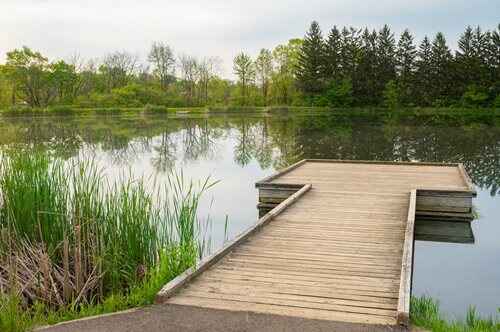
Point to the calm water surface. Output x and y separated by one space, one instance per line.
240 150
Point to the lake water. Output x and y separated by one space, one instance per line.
240 150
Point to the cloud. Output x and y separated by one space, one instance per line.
215 28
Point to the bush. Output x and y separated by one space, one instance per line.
474 97
60 109
391 95
155 109
339 94
496 102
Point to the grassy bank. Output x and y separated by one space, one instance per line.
74 245
158 109
425 314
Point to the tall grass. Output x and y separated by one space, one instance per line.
425 313
74 244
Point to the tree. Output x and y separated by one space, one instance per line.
391 95
333 55
206 71
28 72
243 67
6 91
161 56
264 70
405 66
351 52
339 93
286 61
424 72
493 62
440 62
64 78
386 51
311 64
117 69
471 61
366 76
188 66
474 96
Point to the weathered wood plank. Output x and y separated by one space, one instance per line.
177 283
403 313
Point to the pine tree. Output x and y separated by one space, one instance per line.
350 52
493 62
386 49
311 66
366 80
333 55
468 66
441 67
424 73
405 66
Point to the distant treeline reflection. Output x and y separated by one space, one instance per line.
274 141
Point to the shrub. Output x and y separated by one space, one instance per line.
474 96
339 94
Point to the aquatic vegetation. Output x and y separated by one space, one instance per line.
73 244
425 313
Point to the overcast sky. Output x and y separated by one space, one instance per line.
92 28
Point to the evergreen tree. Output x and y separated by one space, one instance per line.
333 55
470 66
366 80
405 66
351 52
424 73
493 62
311 66
386 49
441 66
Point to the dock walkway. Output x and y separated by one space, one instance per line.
336 244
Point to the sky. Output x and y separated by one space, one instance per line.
60 29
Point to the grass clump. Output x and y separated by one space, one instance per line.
425 314
73 245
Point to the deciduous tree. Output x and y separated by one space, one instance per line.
161 56
244 68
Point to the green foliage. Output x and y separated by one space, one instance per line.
425 313
300 72
244 68
12 317
311 62
124 241
496 103
340 94
391 95
474 97
29 72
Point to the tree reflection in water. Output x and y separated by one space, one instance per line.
271 141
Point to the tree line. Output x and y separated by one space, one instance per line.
369 67
347 67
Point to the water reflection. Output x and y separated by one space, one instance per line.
272 142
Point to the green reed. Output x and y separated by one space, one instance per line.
425 313
71 239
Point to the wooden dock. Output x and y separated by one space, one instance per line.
335 243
